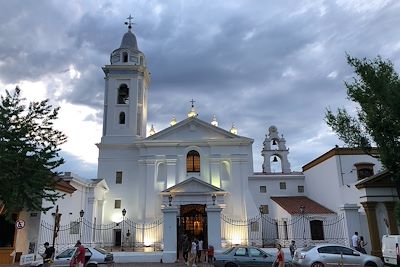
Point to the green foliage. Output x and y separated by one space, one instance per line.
376 88
28 153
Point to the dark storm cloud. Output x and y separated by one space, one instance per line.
252 63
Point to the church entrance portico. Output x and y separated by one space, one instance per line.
191 209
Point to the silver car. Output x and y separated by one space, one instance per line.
324 255
245 256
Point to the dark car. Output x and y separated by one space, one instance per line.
245 256
324 255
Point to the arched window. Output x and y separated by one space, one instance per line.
122 118
125 57
317 230
123 94
193 161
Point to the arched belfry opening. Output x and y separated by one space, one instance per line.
123 94
193 161
125 57
275 152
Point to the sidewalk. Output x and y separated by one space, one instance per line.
138 264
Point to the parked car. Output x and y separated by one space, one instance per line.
391 249
93 257
324 255
245 256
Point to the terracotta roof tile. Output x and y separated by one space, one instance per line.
292 205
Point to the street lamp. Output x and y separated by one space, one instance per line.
81 213
261 209
123 224
302 211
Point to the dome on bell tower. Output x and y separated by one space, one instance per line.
128 52
129 41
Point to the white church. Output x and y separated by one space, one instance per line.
196 179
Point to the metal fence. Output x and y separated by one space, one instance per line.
265 231
127 235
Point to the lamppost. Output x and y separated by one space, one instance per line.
262 224
302 211
123 224
81 213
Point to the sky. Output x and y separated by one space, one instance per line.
252 63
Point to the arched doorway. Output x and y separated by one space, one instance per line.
191 223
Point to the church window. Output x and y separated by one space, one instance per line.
118 177
122 118
117 204
364 169
300 188
193 161
123 94
282 185
264 209
317 230
277 229
263 189
125 57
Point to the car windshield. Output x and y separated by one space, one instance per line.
66 253
227 251
102 251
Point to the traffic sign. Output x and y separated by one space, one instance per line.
19 224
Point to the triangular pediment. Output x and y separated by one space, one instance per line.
194 129
192 185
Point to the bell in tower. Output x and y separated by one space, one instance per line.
274 151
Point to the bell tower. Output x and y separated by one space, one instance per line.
275 151
127 82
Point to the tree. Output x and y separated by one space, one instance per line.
28 153
376 89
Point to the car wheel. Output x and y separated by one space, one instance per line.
230 264
370 264
91 265
317 264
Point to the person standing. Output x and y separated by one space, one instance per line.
292 248
80 254
193 253
199 250
280 257
47 255
354 240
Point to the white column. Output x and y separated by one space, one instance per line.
171 172
170 242
214 226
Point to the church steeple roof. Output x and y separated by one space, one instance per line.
129 41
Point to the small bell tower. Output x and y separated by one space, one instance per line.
275 151
127 82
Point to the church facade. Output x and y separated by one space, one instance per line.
196 179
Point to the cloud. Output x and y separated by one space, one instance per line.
254 64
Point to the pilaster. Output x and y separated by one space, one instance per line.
214 226
170 234
370 210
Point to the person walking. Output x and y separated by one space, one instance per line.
48 254
199 250
80 254
193 254
280 257
186 249
361 245
292 248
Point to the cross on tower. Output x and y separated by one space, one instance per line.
192 101
130 21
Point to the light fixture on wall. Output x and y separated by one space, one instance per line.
169 200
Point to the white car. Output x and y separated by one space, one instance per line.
93 257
